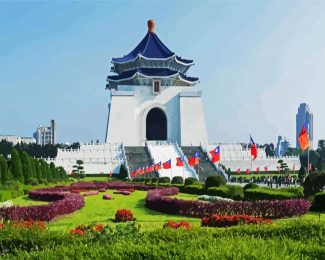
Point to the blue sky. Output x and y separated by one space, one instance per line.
256 62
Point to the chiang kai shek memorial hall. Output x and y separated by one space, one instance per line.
155 114
152 98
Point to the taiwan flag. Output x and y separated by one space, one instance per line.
194 160
150 168
248 171
141 170
258 169
134 174
303 137
215 153
180 161
167 164
157 166
238 170
266 168
254 151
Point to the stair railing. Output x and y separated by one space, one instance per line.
125 160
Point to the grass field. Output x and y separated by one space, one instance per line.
103 211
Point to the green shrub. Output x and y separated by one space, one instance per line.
250 186
214 181
314 183
222 191
31 181
6 195
196 189
177 180
236 192
319 202
44 181
13 185
268 194
190 181
164 180
298 191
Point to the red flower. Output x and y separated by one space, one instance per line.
175 225
226 221
123 215
76 231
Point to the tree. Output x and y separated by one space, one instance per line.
269 149
302 173
38 172
16 168
79 169
26 167
123 173
53 171
283 166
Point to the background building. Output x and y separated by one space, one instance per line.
281 146
46 134
15 139
303 116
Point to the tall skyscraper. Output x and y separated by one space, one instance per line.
303 116
282 146
45 134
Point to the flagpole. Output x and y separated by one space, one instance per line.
308 159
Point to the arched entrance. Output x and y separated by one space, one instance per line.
156 125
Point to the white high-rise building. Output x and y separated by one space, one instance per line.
303 116
46 134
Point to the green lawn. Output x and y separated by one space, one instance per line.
103 211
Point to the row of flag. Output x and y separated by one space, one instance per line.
266 169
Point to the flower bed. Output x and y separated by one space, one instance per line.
124 215
61 203
158 200
215 220
176 225
107 197
24 224
123 192
213 198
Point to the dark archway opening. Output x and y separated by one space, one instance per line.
156 125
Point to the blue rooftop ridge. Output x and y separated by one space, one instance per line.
150 47
151 72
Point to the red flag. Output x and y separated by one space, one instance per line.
141 170
266 168
238 170
215 153
258 169
150 169
157 166
254 151
134 174
180 161
303 137
248 171
194 160
167 164
309 168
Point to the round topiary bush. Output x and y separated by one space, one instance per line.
190 181
177 180
319 202
164 180
31 181
250 186
214 181
124 215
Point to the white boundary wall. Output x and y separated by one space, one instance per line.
97 158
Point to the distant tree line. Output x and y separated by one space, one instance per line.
35 150
23 168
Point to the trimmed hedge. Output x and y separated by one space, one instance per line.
10 194
214 181
268 194
164 180
190 181
177 180
319 202
250 186
222 191
196 189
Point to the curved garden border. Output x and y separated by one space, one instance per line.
159 201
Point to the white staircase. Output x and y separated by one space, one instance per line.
162 152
